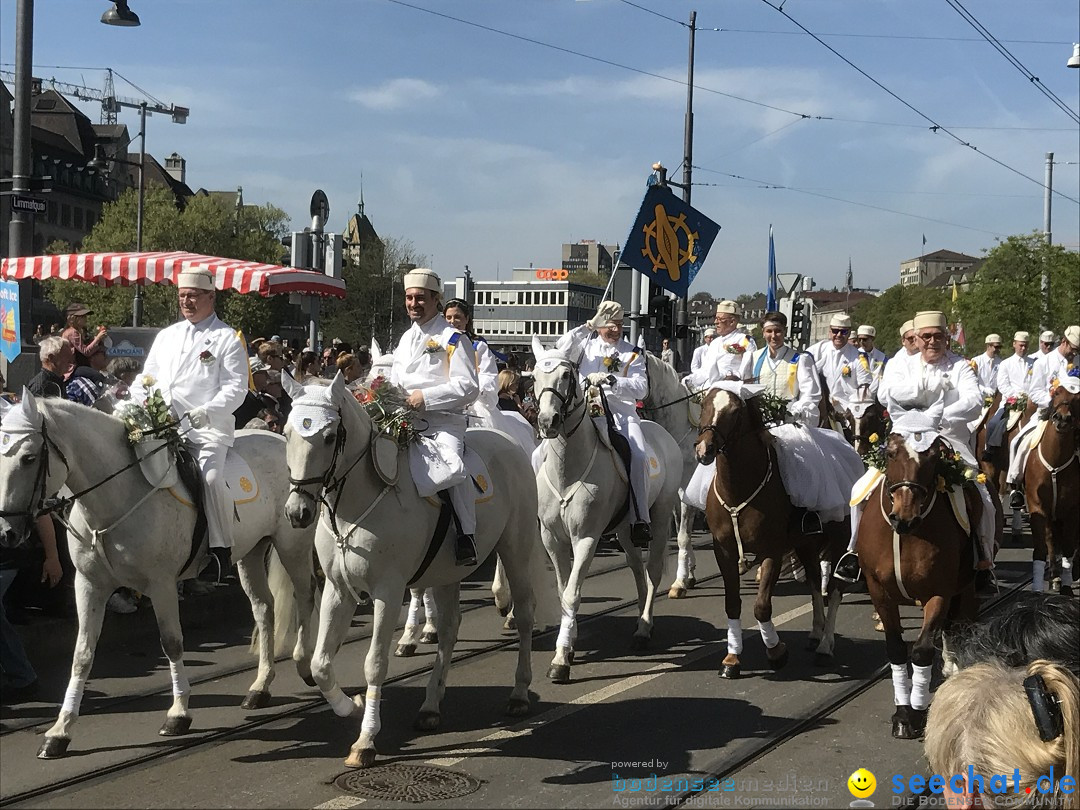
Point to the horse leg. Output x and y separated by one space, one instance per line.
684 575
167 612
922 660
898 660
806 557
296 557
254 581
449 618
430 633
570 599
523 582
335 616
729 569
90 600
654 572
775 650
836 535
500 589
1040 537
640 639
362 752
406 646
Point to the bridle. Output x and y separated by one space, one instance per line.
714 430
41 477
568 402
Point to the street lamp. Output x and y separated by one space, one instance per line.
120 15
1074 60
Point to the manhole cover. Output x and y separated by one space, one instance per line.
408 783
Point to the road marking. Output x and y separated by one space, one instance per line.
599 695
340 803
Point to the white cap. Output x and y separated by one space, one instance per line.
710 332
994 338
906 327
195 280
866 331
727 307
422 278
1047 337
1022 337
1072 334
930 318
609 313
841 320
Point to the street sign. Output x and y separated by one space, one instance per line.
788 281
31 204
10 332
320 206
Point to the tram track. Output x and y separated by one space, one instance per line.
725 768
197 740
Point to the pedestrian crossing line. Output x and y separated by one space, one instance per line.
600 695
340 803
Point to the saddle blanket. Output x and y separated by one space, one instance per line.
868 484
651 458
477 471
693 407
239 479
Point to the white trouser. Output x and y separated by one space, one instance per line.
1018 452
630 427
448 431
218 501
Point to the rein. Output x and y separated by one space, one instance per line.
891 488
735 510
570 396
691 395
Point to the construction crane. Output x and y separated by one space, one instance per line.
111 103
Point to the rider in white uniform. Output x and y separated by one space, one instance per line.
871 358
1013 379
609 360
436 365
986 365
1047 373
783 371
908 347
724 357
699 353
838 363
1047 343
939 389
200 366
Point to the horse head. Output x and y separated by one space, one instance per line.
1065 406
315 433
28 475
911 478
559 395
725 418
866 419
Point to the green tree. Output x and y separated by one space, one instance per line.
888 311
204 225
1005 296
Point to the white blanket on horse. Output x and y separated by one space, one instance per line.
817 467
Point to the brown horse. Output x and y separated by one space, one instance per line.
997 465
872 420
1052 484
913 550
748 510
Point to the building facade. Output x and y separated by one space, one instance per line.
589 256
925 269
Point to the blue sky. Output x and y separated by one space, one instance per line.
492 151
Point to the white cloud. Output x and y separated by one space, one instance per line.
395 94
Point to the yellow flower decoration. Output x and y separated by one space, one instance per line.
845 371
981 478
940 484
874 438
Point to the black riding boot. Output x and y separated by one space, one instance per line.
219 562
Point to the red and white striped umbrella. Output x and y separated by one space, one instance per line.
107 269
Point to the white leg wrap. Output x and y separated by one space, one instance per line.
339 702
1038 574
734 636
414 612
920 686
430 612
73 696
768 635
371 725
901 685
683 571
1066 572
986 524
826 574
567 629
856 516
180 684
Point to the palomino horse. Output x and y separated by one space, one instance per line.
762 521
584 494
1052 484
122 531
376 534
913 550
669 404
997 465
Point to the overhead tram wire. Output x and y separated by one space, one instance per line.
936 127
655 13
767 185
885 36
1027 74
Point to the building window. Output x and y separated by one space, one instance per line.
78 223
65 216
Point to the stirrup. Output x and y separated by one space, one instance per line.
640 534
816 520
465 550
847 568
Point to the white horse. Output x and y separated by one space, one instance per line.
123 532
582 487
669 404
377 534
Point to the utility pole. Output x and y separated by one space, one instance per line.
1047 198
681 329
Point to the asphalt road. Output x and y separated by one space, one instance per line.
650 717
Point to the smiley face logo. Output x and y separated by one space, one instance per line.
862 784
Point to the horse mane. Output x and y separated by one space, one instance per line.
91 418
756 418
655 367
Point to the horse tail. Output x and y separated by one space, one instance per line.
548 611
286 612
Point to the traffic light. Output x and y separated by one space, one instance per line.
660 314
299 245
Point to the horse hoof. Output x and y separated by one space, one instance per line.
256 700
175 726
731 671
310 681
1055 585
54 747
879 626
504 610
639 643
510 624
918 721
427 721
676 592
812 643
570 657
516 707
1066 590
429 638
690 581
559 673
823 660
405 651
781 658
360 759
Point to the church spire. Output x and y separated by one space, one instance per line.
850 278
361 205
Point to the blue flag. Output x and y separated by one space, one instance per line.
669 240
770 295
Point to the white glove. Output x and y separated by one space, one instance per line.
599 378
198 418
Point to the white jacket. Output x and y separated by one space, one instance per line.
724 356
439 360
789 375
1014 376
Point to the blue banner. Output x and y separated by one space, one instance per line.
669 240
10 328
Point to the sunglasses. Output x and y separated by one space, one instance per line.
840 331
932 337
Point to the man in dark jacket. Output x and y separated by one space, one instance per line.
57 357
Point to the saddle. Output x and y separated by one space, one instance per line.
693 408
